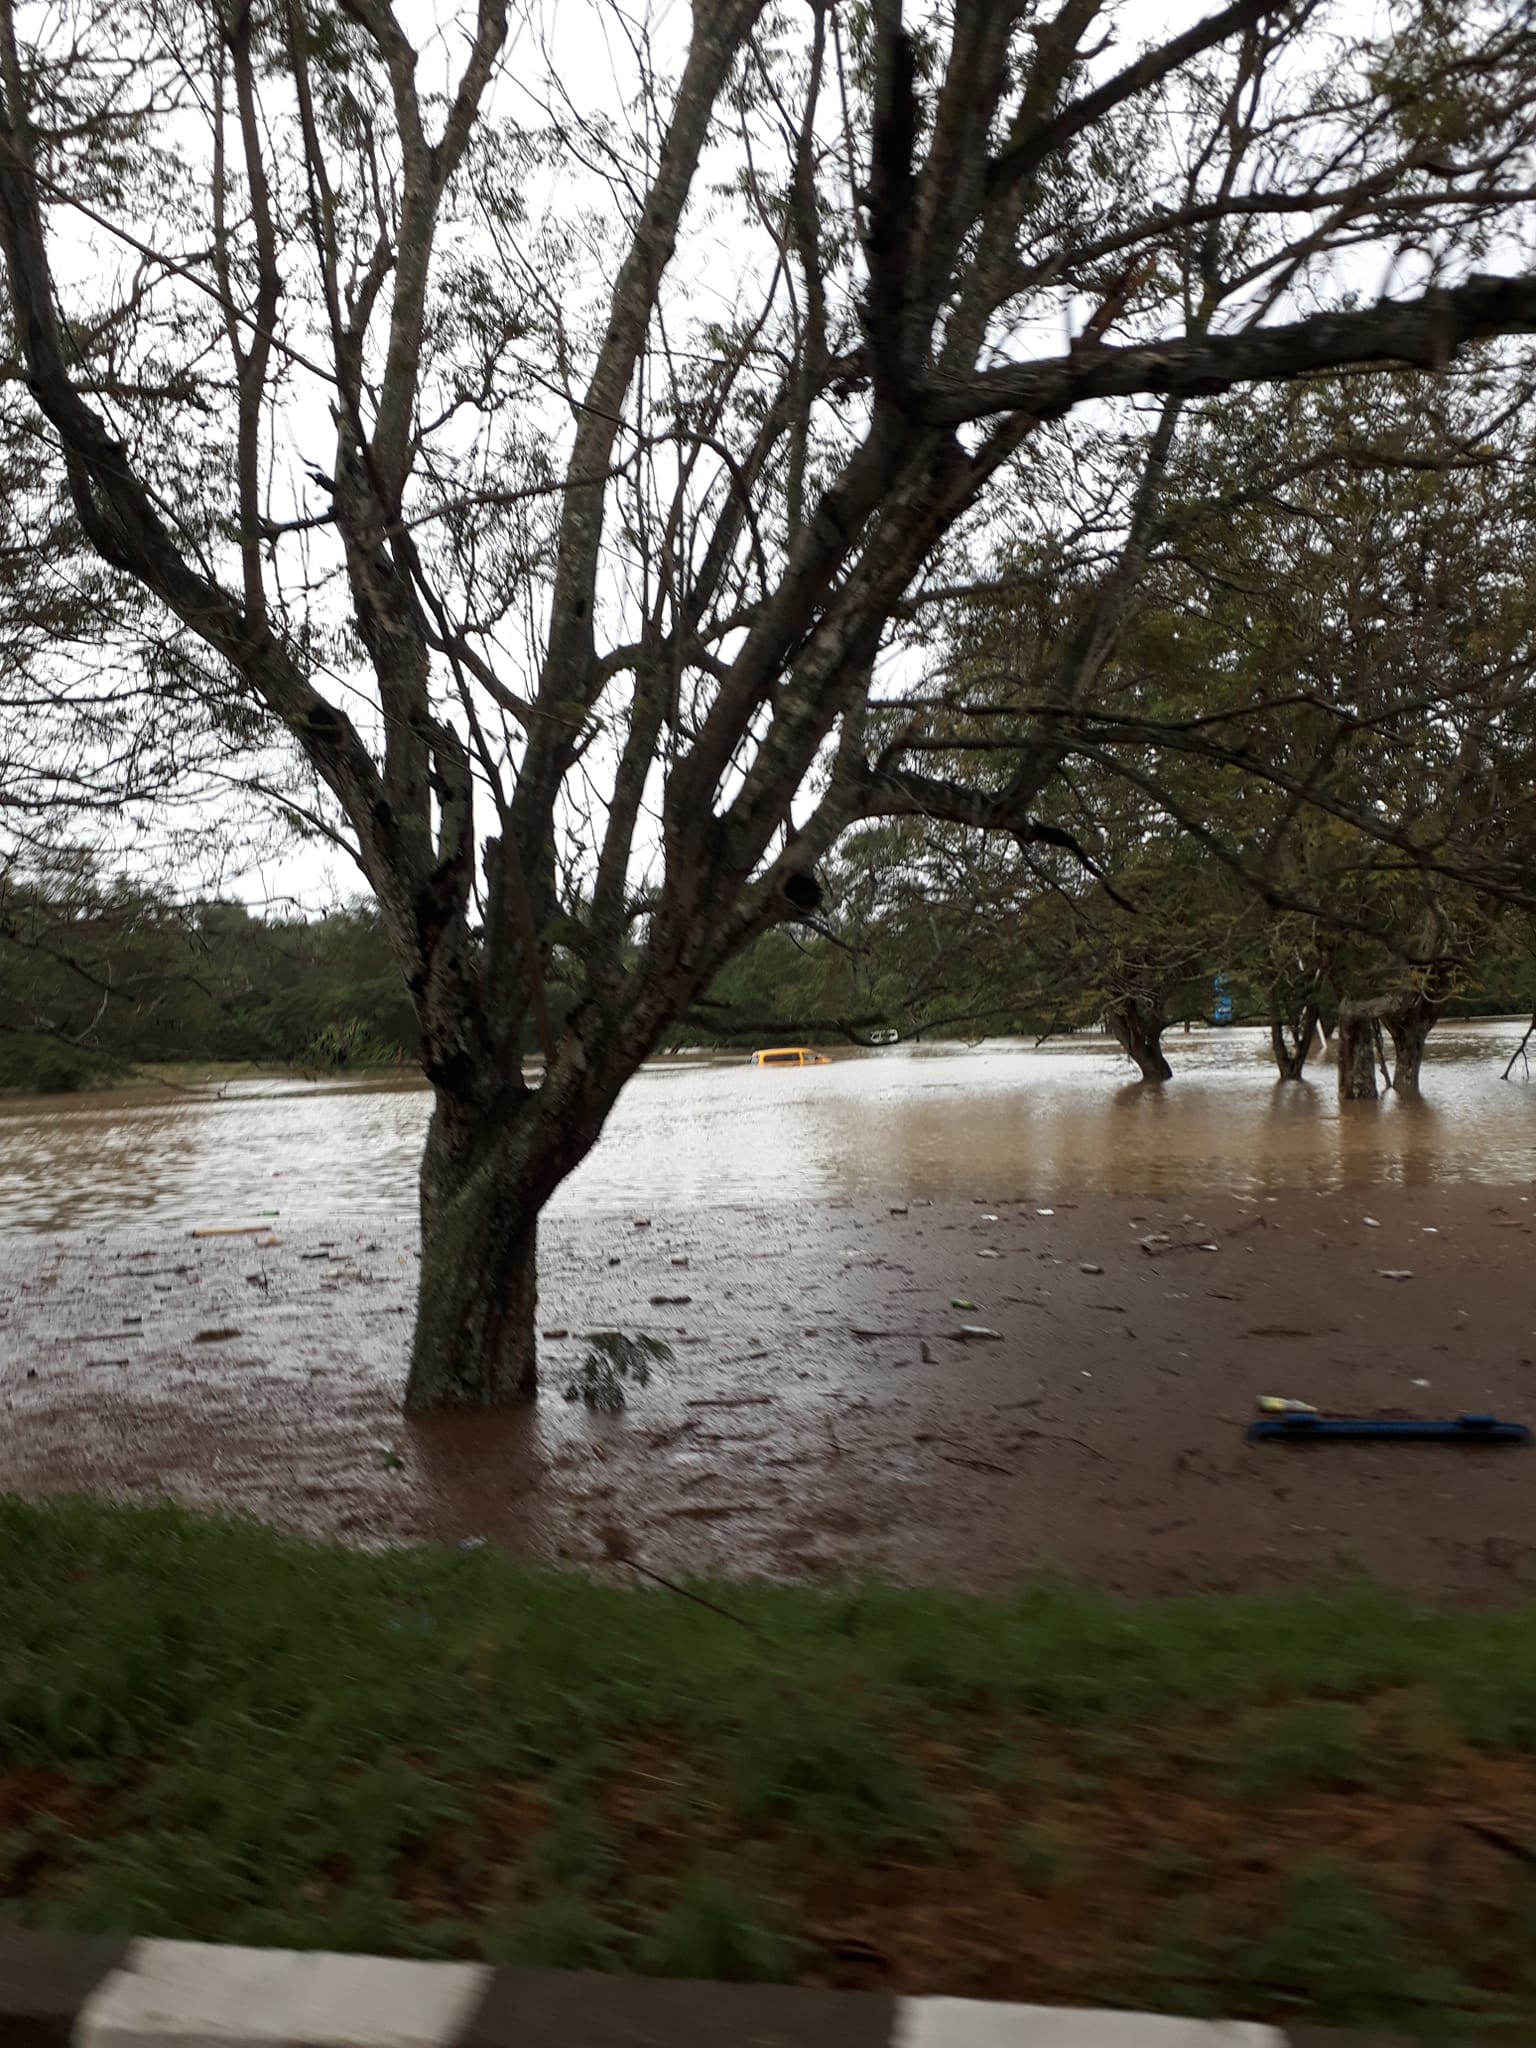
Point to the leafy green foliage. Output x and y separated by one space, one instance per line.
612 1364
125 976
1328 650
48 1066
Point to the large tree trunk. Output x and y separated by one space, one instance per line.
1407 1019
1293 1043
476 1339
1409 1026
1139 1034
1358 1028
493 1158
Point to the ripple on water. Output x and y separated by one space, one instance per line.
990 1120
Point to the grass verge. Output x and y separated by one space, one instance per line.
1318 1807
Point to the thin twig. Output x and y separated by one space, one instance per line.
1497 1839
1520 1053
683 1593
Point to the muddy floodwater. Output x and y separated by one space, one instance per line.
814 1246
699 1132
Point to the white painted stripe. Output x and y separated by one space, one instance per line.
183 1994
965 2023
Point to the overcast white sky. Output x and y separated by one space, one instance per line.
580 48
583 49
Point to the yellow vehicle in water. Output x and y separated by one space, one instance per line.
790 1056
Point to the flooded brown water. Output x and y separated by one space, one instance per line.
807 1238
822 1414
932 1121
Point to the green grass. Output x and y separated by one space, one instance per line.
1040 1858
1248 1806
1313 1745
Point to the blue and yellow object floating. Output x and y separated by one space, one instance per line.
1304 1425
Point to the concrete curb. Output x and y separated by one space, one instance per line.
64 1991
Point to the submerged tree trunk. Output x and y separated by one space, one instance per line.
1409 1026
493 1158
1358 1029
476 1338
1294 1042
1407 1018
1139 1033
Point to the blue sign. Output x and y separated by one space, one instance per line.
1221 1009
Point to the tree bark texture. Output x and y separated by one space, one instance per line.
1407 1018
494 1155
1139 1034
1521 1054
1293 1043
476 1336
1408 1027
1358 1029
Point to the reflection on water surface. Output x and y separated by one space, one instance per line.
1000 1119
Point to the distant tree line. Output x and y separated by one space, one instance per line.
1195 950
1307 763
102 974
931 935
